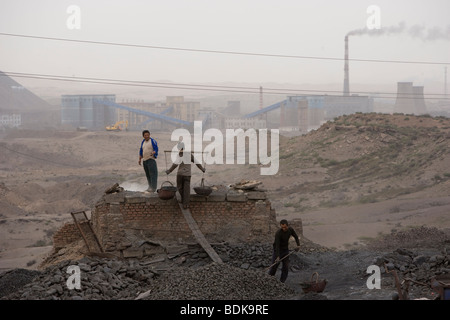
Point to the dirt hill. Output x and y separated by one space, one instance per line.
367 166
365 158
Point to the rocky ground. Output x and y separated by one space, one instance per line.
187 273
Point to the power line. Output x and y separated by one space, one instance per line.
127 83
219 51
203 87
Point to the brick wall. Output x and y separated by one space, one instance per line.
68 233
123 220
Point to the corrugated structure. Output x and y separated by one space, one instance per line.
85 111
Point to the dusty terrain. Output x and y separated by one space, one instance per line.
351 181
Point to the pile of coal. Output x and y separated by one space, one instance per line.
218 282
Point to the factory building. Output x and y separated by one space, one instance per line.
83 111
305 112
139 121
13 120
241 123
183 110
174 106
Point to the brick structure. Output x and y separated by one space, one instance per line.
123 221
67 234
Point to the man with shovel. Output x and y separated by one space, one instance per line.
281 249
184 174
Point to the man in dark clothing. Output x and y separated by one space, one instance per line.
184 174
281 249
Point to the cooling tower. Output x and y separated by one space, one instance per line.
419 101
410 99
405 101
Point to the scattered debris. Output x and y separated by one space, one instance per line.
246 184
114 189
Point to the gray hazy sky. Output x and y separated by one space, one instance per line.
284 27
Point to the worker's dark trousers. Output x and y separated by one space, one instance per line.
151 172
184 188
284 268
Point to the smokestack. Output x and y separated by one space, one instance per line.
260 98
346 76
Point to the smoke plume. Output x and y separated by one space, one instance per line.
415 31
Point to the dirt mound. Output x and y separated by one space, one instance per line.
364 158
420 237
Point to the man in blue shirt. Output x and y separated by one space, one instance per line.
148 154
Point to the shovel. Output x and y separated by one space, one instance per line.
276 262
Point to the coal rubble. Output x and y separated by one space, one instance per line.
101 279
415 269
12 280
186 272
218 282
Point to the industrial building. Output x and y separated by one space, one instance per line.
84 111
139 121
97 111
297 113
253 123
305 112
13 120
174 106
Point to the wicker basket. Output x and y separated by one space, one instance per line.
314 285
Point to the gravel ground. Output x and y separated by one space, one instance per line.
190 274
